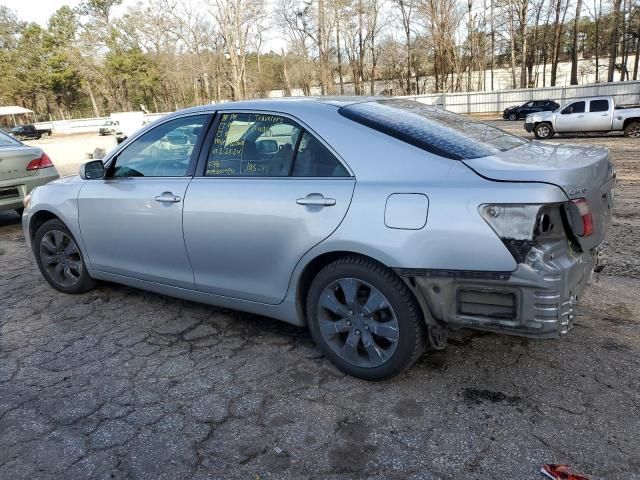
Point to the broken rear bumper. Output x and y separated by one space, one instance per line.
538 299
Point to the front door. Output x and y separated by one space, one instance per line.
269 191
571 118
131 221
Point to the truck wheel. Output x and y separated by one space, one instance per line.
60 260
513 116
632 130
364 319
44 135
543 131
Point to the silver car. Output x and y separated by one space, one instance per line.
22 168
380 223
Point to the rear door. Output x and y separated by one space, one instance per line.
598 118
571 118
266 192
131 221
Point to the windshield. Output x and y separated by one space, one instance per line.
6 140
435 130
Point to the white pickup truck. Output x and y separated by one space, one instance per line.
593 114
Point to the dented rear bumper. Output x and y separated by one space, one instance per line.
538 299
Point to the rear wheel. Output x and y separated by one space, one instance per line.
632 130
364 319
513 116
60 260
543 131
44 135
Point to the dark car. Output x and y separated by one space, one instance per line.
25 132
516 113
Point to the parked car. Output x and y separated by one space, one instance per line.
594 114
22 168
109 128
516 113
30 132
380 224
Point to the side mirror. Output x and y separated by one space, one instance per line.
93 170
267 146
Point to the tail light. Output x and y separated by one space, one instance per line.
581 206
37 163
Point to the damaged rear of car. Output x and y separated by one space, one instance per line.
554 238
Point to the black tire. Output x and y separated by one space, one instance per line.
632 130
543 131
410 326
84 282
513 116
20 211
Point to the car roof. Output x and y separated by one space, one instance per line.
284 103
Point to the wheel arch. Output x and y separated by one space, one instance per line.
627 121
38 219
315 265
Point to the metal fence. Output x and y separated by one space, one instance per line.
493 102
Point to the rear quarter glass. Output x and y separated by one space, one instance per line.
432 129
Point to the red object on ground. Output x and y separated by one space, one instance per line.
560 472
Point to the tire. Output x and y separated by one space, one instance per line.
73 276
44 135
19 211
632 130
513 117
543 131
369 343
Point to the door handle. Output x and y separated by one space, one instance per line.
316 201
580 116
604 114
168 197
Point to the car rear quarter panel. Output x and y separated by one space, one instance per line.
454 236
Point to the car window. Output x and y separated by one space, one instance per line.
432 129
6 140
164 151
576 107
253 144
599 105
528 104
313 159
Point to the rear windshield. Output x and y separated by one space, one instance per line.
6 140
432 129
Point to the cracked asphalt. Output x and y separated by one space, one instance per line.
120 383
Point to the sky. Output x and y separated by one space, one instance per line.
39 11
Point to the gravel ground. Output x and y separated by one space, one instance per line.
119 383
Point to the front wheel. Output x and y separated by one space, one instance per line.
513 116
60 260
632 130
543 131
364 319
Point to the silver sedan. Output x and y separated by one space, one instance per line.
22 168
381 224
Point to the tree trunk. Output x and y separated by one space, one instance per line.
613 40
574 47
557 30
338 46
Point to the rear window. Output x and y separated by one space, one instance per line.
432 129
6 140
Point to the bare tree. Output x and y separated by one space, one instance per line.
574 46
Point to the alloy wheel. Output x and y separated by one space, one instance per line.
61 258
634 131
357 322
543 131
